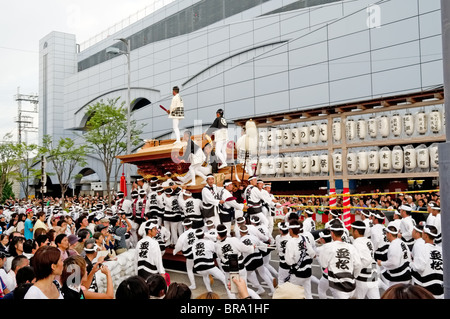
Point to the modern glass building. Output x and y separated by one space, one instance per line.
249 57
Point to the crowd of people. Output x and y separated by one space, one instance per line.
389 245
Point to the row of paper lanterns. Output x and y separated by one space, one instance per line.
395 125
358 161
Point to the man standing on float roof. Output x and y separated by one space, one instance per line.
219 128
176 112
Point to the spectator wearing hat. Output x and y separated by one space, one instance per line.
148 259
406 225
343 263
184 244
427 265
73 242
367 281
396 269
299 257
28 225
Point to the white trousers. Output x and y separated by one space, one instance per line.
190 271
367 289
221 150
305 283
176 130
173 229
217 274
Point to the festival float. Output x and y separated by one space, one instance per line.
156 157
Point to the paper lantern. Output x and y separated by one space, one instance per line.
336 130
435 121
297 164
314 133
362 159
295 136
337 162
421 122
323 132
434 155
385 159
287 163
397 158
350 129
287 136
304 134
383 126
409 158
306 165
396 125
374 160
315 163
361 129
408 124
323 162
423 157
351 162
372 127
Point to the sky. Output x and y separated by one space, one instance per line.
24 22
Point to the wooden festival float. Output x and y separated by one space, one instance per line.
156 157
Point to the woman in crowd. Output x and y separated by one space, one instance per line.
47 264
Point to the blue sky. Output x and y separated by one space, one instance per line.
24 22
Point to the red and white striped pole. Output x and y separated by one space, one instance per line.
346 216
332 201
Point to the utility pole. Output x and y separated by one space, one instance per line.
25 122
43 180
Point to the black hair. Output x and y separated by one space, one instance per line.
133 288
59 238
25 274
156 283
359 223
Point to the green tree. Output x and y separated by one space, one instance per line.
106 134
64 156
26 157
7 192
8 160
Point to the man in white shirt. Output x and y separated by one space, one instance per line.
230 209
255 200
406 225
176 112
148 259
210 200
